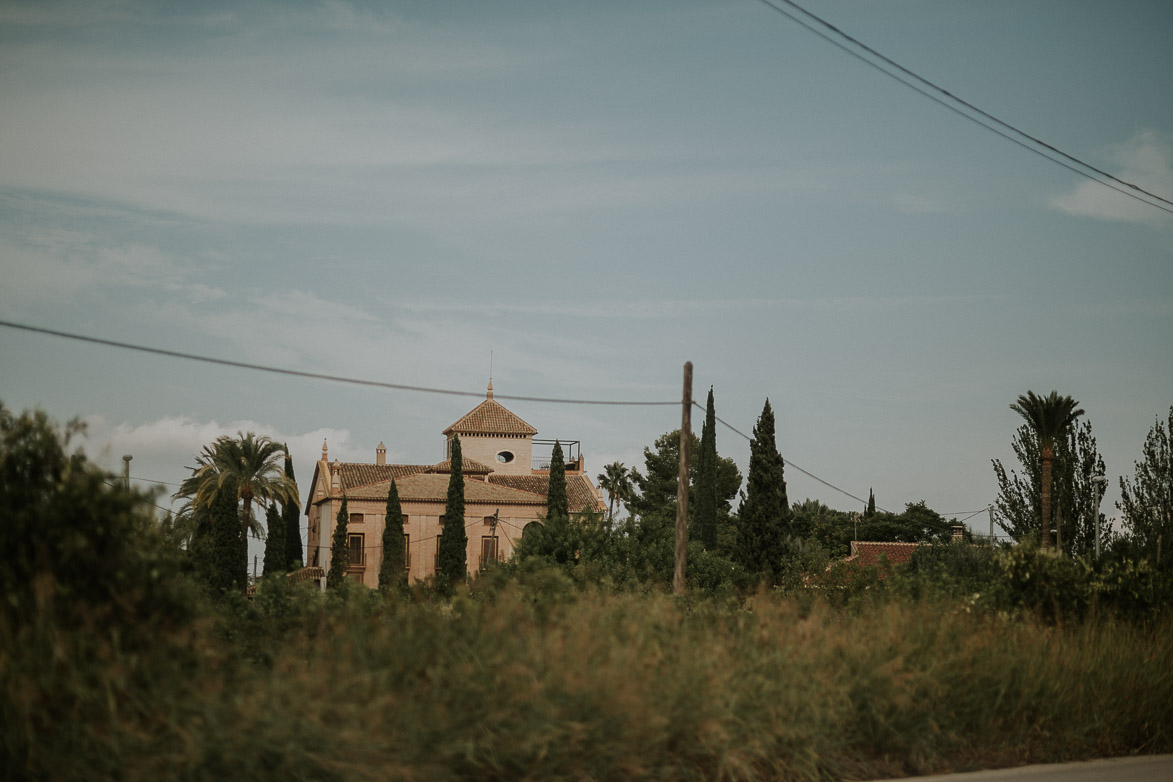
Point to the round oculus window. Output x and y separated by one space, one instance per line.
505 457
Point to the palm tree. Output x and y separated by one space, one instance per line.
615 479
1049 416
248 465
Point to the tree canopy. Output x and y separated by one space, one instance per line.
557 503
764 515
1018 507
1147 500
393 569
453 564
339 548
1049 416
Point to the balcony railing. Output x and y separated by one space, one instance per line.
543 448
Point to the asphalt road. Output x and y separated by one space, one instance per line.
1148 768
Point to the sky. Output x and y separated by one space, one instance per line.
578 198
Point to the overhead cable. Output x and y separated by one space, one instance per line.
322 375
789 463
933 92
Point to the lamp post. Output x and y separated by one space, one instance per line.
1099 481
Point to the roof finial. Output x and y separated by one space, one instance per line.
489 394
325 456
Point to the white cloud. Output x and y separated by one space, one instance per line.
1145 160
163 449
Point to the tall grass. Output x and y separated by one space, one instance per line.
550 683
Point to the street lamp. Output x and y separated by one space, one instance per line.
1099 481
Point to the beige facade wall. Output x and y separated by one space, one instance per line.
485 450
422 525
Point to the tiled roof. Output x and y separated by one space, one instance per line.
355 474
433 487
467 467
370 481
580 495
491 417
866 552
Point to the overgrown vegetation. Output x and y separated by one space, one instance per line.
118 661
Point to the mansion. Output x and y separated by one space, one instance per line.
505 488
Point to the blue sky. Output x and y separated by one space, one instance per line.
594 193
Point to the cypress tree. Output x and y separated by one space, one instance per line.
392 572
292 515
339 549
226 572
557 504
454 543
764 512
871 508
706 479
275 542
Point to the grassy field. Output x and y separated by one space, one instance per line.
544 681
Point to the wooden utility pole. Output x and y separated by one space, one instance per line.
682 483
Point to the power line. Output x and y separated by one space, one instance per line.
934 91
789 463
322 375
970 516
392 386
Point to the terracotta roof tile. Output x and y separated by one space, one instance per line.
867 552
355 474
491 417
580 494
433 487
467 467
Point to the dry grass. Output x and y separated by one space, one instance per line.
548 685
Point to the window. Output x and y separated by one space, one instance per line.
505 457
355 518
407 551
357 552
531 527
436 566
488 549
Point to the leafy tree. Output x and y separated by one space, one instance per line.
275 542
557 503
247 466
557 541
1049 417
763 519
616 481
706 479
1018 508
339 548
834 530
77 545
1147 501
228 569
291 512
454 541
393 570
657 487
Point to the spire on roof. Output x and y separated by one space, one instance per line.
489 394
325 455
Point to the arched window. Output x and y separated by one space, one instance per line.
530 527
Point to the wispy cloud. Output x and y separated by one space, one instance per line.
165 447
1146 160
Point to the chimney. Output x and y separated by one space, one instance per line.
381 454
